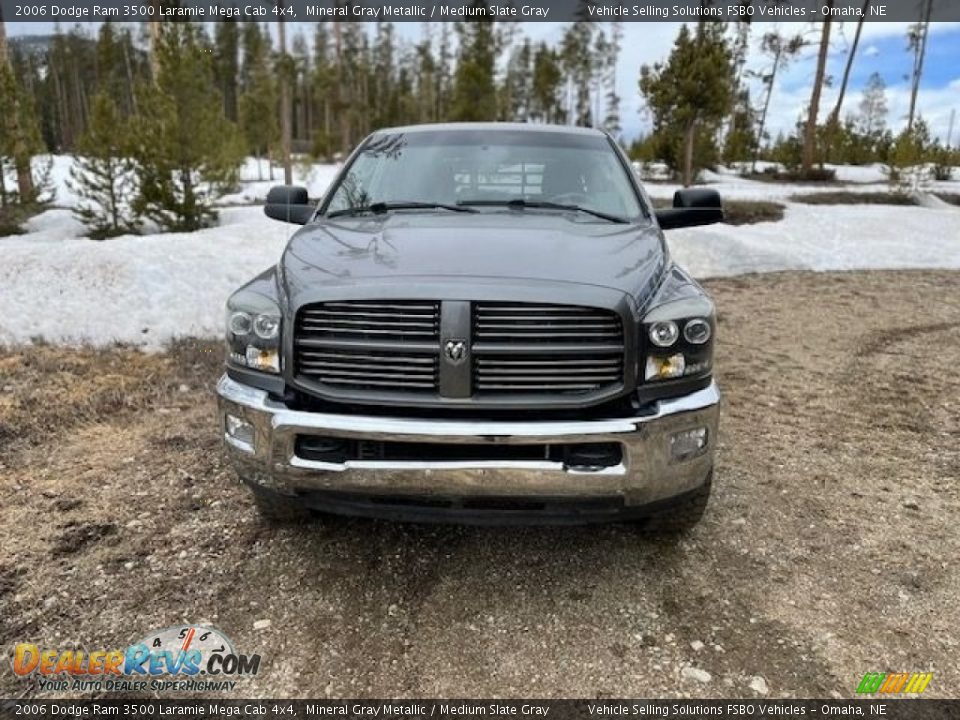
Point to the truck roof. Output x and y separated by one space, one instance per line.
489 126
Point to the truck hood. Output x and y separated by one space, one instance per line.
526 247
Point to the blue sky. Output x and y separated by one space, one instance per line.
887 55
882 49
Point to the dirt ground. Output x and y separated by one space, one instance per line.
830 548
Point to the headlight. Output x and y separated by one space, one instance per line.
239 323
664 333
267 327
253 332
697 331
680 348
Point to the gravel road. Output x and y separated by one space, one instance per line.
830 548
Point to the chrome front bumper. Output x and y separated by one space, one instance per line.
648 473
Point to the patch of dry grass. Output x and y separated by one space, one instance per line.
47 389
840 197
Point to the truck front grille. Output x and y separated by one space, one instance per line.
544 349
383 350
382 345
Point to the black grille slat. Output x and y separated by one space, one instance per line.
387 345
360 305
546 349
548 363
389 320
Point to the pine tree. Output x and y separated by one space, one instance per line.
689 93
910 151
516 88
18 128
741 136
611 120
578 57
226 64
324 143
119 65
102 174
444 90
186 152
474 89
781 51
285 74
257 106
425 74
873 106
546 92
302 88
385 107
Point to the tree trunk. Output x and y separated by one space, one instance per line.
689 137
918 65
810 132
835 115
155 30
833 122
132 97
766 107
285 109
63 134
740 61
341 105
113 171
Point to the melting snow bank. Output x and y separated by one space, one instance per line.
812 237
143 290
146 290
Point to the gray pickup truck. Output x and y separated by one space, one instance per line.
477 323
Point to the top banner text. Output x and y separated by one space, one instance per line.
780 11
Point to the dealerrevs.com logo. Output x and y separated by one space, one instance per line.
185 658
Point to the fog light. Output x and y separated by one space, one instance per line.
664 368
265 360
688 444
239 432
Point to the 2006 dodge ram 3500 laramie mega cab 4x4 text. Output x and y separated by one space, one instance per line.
480 323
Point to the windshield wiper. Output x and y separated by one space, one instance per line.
521 203
382 207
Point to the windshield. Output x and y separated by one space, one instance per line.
486 169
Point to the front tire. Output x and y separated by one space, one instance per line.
277 509
682 516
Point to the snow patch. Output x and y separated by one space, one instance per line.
147 289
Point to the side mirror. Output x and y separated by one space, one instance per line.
691 206
289 203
